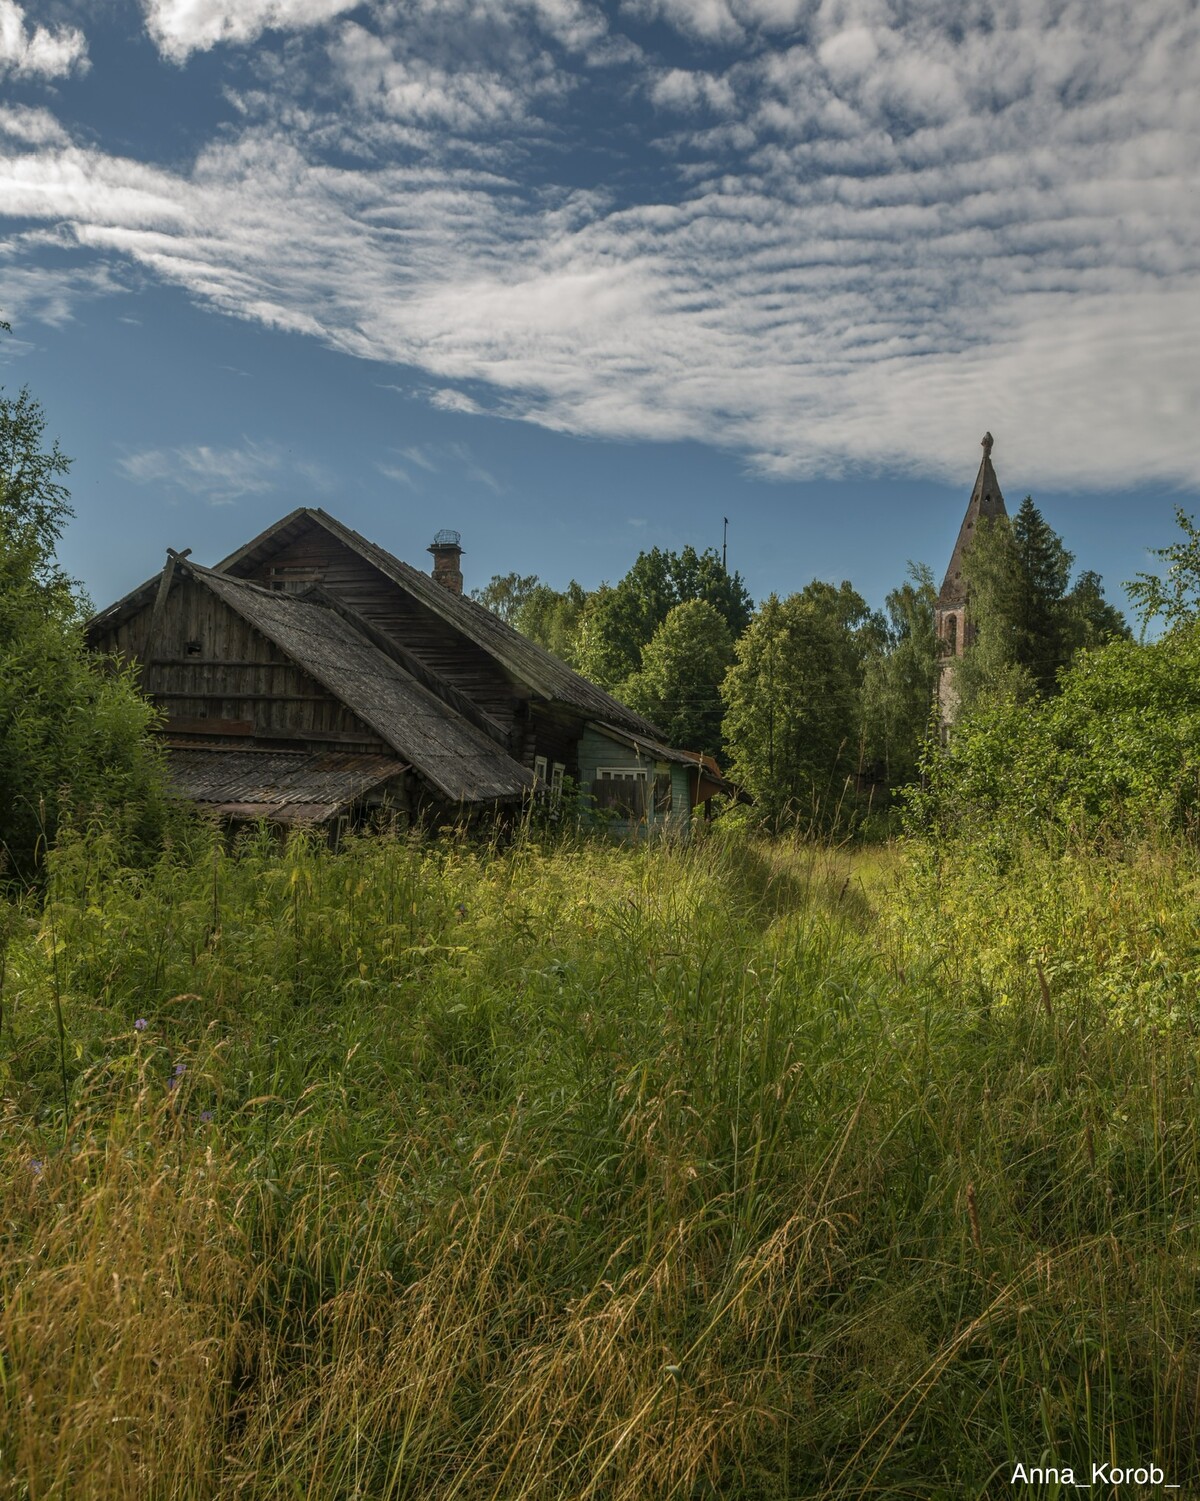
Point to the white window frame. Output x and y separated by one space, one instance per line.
622 773
557 772
539 770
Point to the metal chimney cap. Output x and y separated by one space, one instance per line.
447 537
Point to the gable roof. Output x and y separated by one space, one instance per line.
524 660
459 760
986 501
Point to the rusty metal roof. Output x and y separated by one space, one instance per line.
291 787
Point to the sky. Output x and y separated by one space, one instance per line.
581 277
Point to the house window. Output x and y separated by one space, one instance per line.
623 790
557 772
662 793
952 634
539 774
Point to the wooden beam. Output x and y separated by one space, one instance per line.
164 588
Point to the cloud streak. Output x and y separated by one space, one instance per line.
220 475
872 230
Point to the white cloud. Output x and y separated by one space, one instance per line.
900 227
181 27
35 127
220 475
39 53
677 88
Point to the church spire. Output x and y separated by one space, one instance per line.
986 501
952 618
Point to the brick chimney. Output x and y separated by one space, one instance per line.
446 553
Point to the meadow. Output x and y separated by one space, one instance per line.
748 1169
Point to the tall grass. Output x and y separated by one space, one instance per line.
739 1171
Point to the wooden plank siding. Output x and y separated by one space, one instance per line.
237 675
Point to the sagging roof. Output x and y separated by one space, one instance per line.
289 787
524 660
986 501
459 760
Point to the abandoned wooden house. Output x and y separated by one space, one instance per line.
311 678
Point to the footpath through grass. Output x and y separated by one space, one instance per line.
420 1171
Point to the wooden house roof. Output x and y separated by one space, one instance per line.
456 757
524 660
289 787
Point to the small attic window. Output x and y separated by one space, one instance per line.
192 648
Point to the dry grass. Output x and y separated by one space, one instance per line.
578 1172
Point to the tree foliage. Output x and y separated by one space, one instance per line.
546 615
679 684
900 679
74 735
1118 746
619 621
1174 595
793 701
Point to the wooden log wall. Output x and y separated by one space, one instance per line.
210 671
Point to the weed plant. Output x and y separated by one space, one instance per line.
573 1170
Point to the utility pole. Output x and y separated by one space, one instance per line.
725 544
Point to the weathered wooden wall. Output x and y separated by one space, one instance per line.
212 673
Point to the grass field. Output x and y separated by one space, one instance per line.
743 1170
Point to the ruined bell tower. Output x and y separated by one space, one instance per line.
952 615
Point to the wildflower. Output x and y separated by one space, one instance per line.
140 1024
35 1167
206 1117
180 1070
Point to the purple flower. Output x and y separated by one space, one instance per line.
206 1117
140 1024
35 1167
180 1070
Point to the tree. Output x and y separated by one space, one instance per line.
900 679
551 618
679 684
546 615
793 702
1027 626
618 622
1174 596
1093 621
74 734
505 594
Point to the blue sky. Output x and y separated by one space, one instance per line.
579 278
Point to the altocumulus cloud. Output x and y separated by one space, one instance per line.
181 27
37 52
861 230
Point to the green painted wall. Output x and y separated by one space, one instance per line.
596 750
